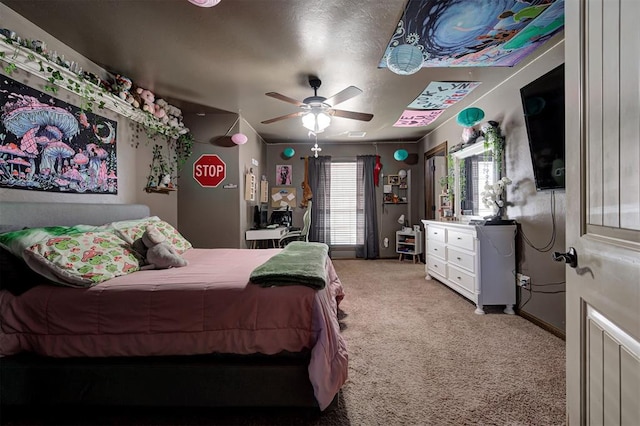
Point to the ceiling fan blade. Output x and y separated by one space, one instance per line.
352 115
284 117
284 98
344 95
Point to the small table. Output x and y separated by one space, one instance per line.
268 234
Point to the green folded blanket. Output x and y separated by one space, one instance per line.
299 263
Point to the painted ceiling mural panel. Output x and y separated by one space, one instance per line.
473 33
443 94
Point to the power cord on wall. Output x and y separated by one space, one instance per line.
531 291
547 247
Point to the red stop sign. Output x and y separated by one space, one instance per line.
209 170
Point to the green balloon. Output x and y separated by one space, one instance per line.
288 152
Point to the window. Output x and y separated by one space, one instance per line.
343 200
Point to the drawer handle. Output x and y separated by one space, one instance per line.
435 266
459 278
435 249
459 258
459 238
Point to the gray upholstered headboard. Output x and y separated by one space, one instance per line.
29 214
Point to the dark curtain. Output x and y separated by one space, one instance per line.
320 183
367 222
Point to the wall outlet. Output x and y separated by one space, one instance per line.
523 281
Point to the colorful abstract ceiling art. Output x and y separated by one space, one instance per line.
443 94
476 33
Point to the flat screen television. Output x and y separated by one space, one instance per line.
543 105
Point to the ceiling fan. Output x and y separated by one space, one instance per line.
316 111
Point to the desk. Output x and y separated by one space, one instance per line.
255 235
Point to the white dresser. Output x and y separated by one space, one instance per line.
479 262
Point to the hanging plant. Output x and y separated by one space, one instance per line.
462 177
448 181
183 148
158 167
494 143
31 55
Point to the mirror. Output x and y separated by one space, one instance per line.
474 167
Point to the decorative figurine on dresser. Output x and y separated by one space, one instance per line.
477 261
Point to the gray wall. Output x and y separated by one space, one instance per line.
133 162
218 217
388 213
254 151
531 209
209 217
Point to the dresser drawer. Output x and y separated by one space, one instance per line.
463 279
460 239
436 234
437 266
462 259
437 249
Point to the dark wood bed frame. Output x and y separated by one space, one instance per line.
197 381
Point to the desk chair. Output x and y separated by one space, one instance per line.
299 235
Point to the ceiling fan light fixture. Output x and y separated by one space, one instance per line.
316 121
405 59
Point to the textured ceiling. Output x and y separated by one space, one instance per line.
227 57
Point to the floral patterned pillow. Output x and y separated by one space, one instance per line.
82 259
131 230
17 241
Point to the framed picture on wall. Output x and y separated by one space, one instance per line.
283 174
393 179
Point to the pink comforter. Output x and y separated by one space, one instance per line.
207 306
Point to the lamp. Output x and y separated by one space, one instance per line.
400 154
204 3
288 152
402 221
239 138
405 59
469 117
316 120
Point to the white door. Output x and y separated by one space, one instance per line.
602 68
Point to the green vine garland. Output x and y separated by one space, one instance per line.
494 143
89 88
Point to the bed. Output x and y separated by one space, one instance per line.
199 335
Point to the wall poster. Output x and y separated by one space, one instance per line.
49 145
283 174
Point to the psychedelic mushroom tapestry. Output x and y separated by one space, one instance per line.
49 145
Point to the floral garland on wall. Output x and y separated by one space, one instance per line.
116 92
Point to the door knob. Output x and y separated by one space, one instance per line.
570 257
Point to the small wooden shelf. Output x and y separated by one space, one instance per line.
151 189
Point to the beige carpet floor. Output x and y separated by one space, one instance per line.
418 355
